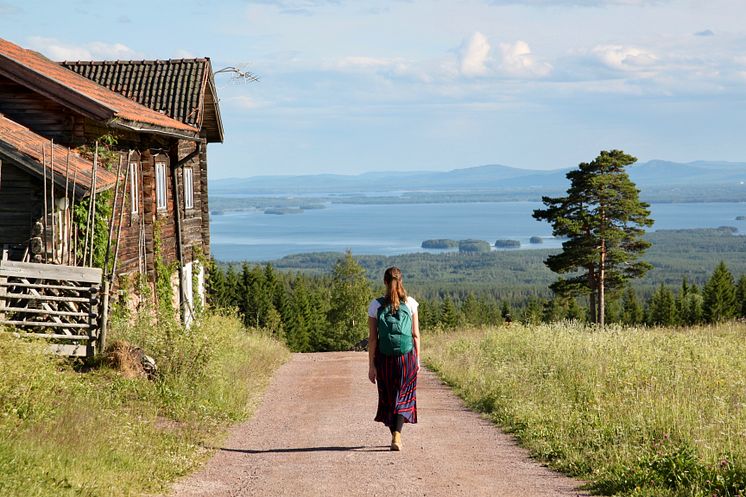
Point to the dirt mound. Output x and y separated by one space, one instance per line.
130 360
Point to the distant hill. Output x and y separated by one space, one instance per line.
653 176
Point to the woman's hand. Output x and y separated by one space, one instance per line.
372 374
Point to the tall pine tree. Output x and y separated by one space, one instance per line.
603 220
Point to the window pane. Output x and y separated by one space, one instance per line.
188 188
160 184
134 188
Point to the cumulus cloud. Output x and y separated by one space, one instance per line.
57 50
183 53
517 60
243 102
362 62
706 32
623 58
474 55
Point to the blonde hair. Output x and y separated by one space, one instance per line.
395 292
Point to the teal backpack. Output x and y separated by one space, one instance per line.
394 329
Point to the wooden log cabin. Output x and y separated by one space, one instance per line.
162 115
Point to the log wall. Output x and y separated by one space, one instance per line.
21 203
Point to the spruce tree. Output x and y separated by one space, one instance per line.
448 314
296 327
719 296
662 308
232 299
741 296
533 310
632 311
471 310
506 313
351 294
603 220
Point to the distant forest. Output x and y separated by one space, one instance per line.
318 301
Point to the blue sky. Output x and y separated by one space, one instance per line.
352 86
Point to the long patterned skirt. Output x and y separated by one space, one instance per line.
397 387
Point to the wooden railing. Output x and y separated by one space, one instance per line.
58 303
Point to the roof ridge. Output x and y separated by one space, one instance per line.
21 63
133 61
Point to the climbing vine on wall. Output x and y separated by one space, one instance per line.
164 293
107 158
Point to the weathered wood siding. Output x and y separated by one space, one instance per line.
204 200
38 113
21 203
191 219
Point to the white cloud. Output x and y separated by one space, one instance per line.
244 102
624 58
182 53
57 50
474 55
517 60
362 62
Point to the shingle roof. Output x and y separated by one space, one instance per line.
58 83
24 147
181 88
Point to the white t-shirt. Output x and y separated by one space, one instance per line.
375 305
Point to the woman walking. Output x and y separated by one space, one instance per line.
394 355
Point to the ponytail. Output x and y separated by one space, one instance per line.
395 292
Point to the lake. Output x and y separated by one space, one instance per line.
398 229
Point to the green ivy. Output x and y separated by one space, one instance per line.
196 298
108 158
163 291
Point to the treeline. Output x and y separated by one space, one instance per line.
721 298
318 312
310 313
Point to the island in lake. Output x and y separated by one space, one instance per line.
283 210
473 246
740 218
440 243
536 239
509 244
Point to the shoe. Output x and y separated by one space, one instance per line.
396 441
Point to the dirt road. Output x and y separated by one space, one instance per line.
314 435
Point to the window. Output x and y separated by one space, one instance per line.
160 185
134 188
188 188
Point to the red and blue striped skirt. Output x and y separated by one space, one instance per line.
396 377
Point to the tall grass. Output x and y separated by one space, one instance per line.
64 432
643 412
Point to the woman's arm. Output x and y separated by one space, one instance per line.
372 345
416 336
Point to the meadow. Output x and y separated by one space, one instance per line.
632 411
68 430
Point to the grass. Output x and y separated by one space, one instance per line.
64 432
634 412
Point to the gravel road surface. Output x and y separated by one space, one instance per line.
314 435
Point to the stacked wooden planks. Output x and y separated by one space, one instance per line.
58 303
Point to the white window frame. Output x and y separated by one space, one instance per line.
188 182
160 186
134 187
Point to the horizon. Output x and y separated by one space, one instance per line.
363 173
349 87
